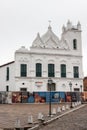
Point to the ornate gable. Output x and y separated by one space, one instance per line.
50 43
37 42
49 35
49 40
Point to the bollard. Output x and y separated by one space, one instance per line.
76 104
58 109
79 102
40 116
73 104
30 119
63 108
67 107
17 123
54 111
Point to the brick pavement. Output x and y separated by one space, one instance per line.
9 113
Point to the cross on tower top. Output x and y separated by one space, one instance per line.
49 22
49 25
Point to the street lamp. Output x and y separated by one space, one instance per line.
49 85
81 92
70 85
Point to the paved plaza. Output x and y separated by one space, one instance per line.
10 113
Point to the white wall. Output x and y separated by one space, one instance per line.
62 84
11 81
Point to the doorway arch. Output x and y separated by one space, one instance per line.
53 87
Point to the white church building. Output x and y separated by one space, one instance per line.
48 57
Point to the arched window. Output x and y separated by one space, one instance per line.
51 72
63 70
38 69
53 87
75 44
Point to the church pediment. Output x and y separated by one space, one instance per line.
49 40
50 43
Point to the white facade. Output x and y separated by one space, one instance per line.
47 49
11 81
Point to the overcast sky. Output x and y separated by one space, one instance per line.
21 20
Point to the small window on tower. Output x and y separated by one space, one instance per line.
7 88
75 44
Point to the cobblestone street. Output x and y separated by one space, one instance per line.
10 113
76 120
